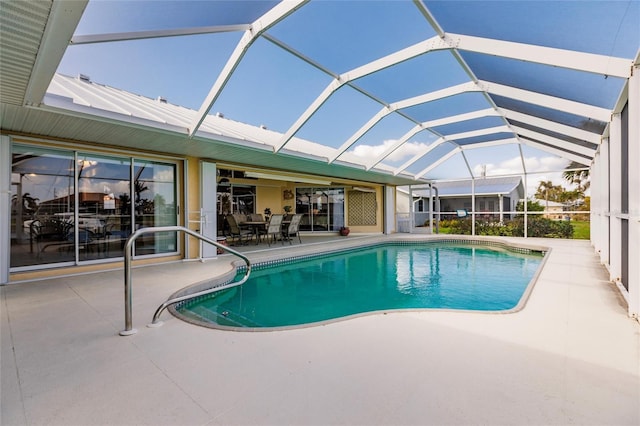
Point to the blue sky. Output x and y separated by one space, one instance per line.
271 87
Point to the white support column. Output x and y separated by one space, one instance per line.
390 210
605 211
595 224
526 191
431 208
634 193
524 204
473 206
208 213
411 211
615 204
5 207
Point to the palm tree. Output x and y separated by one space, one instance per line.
546 189
578 177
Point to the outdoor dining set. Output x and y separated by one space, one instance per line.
242 229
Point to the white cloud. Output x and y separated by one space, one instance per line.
406 151
533 164
511 166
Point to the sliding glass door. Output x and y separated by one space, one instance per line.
323 208
71 206
42 206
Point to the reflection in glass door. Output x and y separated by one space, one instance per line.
323 208
155 204
42 206
68 207
104 206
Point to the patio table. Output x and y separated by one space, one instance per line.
255 226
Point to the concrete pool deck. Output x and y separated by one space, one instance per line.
571 356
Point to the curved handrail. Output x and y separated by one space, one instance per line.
128 253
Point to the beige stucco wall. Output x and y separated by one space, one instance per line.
191 214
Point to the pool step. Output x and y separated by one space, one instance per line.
229 318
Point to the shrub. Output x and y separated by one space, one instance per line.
536 227
545 228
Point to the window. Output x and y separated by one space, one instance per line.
236 199
69 207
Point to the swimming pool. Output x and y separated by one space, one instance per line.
387 277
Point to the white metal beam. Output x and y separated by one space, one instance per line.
555 151
266 21
282 45
580 61
428 124
547 101
451 138
487 144
438 94
553 126
578 149
434 43
429 17
438 162
480 132
357 135
141 35
388 110
419 155
429 45
487 112
306 115
62 22
397 144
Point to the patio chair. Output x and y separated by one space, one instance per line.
274 228
256 217
235 232
293 228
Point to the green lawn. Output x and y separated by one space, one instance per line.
581 230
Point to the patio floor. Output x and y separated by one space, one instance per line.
571 356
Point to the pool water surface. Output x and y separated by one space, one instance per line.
381 278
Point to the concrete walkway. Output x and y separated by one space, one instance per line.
571 356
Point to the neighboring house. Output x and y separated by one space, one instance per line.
494 197
552 209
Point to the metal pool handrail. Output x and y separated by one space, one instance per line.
128 253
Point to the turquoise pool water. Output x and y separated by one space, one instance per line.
383 278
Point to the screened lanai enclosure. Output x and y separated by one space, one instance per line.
401 94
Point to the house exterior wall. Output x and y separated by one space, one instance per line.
190 191
484 205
